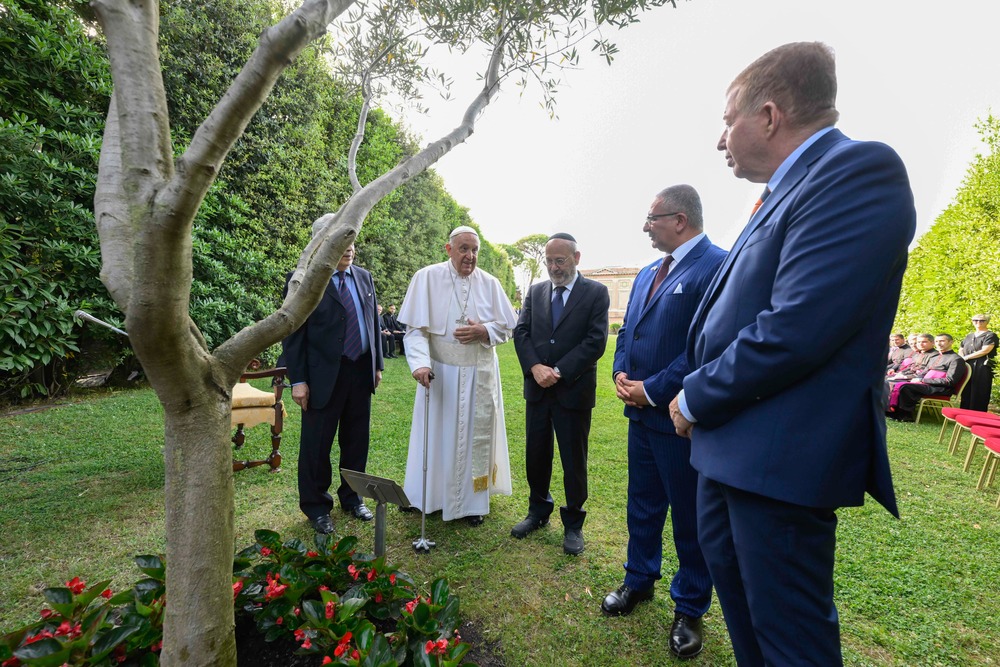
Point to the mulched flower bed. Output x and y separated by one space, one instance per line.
253 651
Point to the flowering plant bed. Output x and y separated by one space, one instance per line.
335 605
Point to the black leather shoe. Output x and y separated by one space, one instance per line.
685 636
475 520
360 512
622 601
573 541
322 524
527 526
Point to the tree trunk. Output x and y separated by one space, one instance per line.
199 523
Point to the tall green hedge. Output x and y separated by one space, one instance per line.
287 170
954 271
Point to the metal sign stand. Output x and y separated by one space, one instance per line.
382 491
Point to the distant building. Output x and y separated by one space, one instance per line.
618 280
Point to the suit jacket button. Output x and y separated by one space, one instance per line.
636 337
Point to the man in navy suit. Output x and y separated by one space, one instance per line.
334 362
650 363
799 312
560 335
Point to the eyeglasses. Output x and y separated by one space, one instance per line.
657 216
975 320
558 261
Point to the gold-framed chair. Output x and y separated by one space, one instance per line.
938 403
252 406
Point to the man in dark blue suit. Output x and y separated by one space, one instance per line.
560 335
799 313
334 362
650 363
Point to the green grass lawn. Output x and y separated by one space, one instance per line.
82 493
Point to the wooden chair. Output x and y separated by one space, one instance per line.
251 407
940 402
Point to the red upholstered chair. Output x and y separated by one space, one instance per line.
990 465
939 403
251 406
949 418
965 421
979 432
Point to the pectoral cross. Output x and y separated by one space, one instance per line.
462 319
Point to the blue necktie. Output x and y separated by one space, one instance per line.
557 305
352 332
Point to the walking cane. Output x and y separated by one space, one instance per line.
423 545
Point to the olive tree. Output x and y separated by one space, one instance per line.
147 197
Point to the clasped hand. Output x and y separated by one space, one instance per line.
472 333
630 392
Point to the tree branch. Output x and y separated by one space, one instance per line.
279 45
114 228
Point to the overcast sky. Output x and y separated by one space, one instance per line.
916 75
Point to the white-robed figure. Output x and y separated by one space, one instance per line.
455 314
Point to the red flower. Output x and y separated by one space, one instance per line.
327 660
46 613
307 643
346 638
372 575
412 604
12 662
436 648
297 611
392 578
353 571
237 587
340 650
313 554
324 588
329 609
378 597
264 551
76 585
274 590
299 634
106 594
354 654
279 620
157 646
119 653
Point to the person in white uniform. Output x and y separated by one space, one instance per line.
455 314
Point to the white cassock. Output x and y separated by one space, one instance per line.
467 458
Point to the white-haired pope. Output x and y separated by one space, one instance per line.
455 314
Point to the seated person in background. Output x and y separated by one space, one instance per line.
941 377
922 353
898 350
394 327
388 342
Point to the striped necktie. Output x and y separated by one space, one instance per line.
352 332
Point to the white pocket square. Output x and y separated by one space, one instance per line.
679 289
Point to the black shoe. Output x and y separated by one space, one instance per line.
475 520
322 524
360 512
622 601
527 526
685 636
573 541
409 509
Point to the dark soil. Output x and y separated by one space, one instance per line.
253 651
